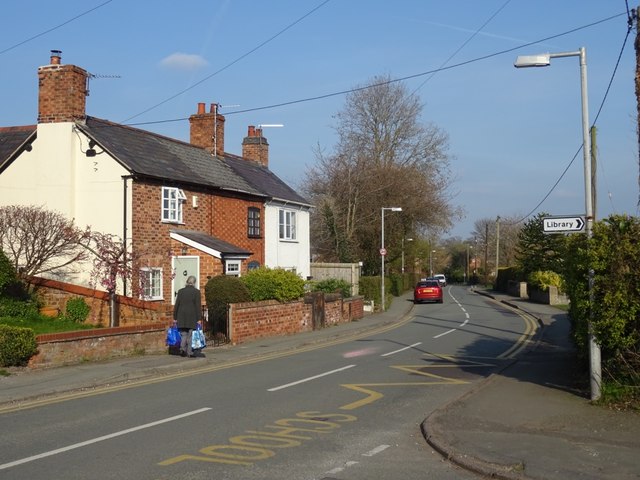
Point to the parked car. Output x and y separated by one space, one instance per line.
441 278
427 291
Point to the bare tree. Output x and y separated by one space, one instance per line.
383 158
38 241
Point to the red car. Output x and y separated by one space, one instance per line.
427 291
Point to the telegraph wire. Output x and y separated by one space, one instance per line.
55 28
604 98
396 80
465 43
273 37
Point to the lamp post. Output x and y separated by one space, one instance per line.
408 240
544 60
431 252
466 271
383 252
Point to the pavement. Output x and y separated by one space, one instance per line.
530 420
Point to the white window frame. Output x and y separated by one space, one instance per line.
151 287
171 205
287 223
232 267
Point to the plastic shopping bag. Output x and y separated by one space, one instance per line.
197 338
173 336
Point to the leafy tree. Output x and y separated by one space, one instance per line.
613 305
38 241
538 251
383 158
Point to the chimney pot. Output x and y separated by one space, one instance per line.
56 55
213 108
252 131
201 108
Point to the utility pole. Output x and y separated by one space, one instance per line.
594 169
486 252
497 247
634 18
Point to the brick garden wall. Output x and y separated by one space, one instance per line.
68 348
249 321
54 295
253 320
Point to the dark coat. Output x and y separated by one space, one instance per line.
187 310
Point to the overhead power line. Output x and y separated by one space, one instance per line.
291 25
395 80
55 28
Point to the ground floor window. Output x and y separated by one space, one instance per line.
232 267
151 283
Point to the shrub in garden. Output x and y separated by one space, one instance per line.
219 292
7 272
11 307
273 284
332 285
543 280
77 310
17 346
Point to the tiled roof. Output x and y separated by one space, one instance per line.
151 155
11 139
263 179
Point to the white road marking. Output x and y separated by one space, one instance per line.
99 439
370 453
376 450
309 378
445 333
401 350
466 314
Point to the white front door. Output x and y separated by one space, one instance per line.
183 268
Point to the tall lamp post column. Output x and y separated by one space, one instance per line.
383 253
431 252
408 240
544 60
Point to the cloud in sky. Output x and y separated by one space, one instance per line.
183 61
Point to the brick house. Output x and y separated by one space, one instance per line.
184 208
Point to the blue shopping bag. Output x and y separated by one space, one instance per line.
197 338
173 336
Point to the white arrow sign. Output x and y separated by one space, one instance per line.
575 223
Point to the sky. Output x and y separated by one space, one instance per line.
512 132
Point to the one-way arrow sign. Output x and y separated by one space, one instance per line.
574 223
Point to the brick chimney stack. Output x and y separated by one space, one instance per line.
62 92
255 147
207 129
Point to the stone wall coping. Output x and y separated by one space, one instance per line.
99 332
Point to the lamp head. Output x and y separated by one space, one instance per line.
541 60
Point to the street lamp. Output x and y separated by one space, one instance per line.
408 240
431 262
467 267
383 252
544 60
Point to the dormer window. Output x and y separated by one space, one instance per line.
172 201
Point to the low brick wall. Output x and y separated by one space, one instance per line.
132 311
253 320
69 348
248 321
